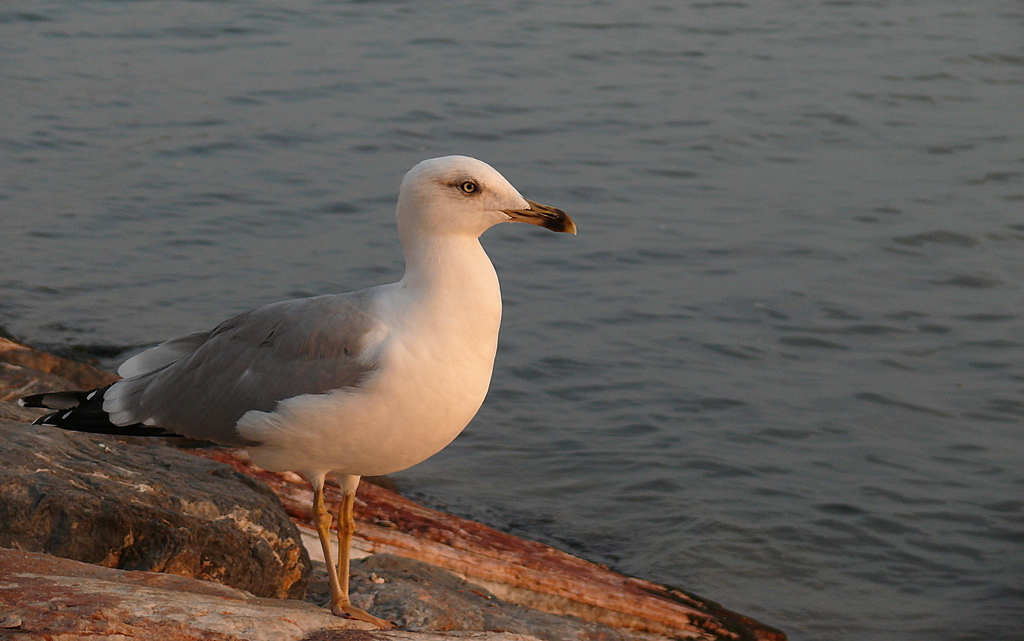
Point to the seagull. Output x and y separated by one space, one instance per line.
365 383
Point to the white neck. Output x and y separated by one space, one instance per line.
452 277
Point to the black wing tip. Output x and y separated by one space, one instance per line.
78 411
35 400
65 399
67 420
42 420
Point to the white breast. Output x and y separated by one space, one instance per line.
434 371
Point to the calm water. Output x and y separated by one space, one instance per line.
781 364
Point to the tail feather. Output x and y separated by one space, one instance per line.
83 412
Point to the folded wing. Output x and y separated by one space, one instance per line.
201 384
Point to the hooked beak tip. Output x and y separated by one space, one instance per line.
544 216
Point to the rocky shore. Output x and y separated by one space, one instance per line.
106 538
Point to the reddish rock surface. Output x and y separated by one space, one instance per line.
47 598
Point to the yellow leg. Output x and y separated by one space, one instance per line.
339 577
346 528
322 522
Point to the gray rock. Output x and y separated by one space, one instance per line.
423 598
94 499
45 598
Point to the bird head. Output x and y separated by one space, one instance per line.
459 195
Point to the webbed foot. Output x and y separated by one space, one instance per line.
350 611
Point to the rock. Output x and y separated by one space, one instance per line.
24 370
94 499
45 597
48 598
423 598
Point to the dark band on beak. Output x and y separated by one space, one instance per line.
543 215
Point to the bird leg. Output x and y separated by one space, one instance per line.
339 577
322 522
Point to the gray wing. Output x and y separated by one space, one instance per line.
201 384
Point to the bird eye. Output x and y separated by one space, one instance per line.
469 187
